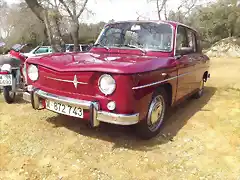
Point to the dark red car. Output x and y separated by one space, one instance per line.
134 72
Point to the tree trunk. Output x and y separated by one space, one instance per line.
158 10
47 25
75 35
51 23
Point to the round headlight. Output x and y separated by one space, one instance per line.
107 84
25 71
33 72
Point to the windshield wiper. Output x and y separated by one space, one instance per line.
99 44
135 47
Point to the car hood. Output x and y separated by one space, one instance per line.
102 62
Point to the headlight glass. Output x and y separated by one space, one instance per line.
107 84
33 72
25 72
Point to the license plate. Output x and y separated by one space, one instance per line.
5 79
64 109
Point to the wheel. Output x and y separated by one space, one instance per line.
151 125
199 93
9 96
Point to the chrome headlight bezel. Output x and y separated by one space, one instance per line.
32 72
111 84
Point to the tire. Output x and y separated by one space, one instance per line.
151 125
200 91
9 96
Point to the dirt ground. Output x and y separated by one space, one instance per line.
201 140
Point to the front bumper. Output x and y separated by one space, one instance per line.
96 116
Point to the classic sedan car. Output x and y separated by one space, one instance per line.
132 75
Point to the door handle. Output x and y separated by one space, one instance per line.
190 59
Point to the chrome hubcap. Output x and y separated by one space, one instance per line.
156 113
11 94
201 85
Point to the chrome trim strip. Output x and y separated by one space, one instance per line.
155 83
26 96
63 80
159 82
175 41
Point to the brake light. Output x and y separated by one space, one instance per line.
4 72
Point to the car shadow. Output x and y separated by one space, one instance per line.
19 99
124 136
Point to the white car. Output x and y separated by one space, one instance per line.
39 50
42 50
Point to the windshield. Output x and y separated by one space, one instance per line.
143 35
17 47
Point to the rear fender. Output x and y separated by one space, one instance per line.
16 75
6 68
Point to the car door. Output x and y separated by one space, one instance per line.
185 62
196 57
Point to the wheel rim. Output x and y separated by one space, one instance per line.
11 94
156 113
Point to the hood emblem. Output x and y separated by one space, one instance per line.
75 81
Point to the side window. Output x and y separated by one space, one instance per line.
181 40
70 48
186 41
41 50
192 40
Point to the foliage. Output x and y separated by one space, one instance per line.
215 21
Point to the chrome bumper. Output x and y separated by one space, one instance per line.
96 116
26 96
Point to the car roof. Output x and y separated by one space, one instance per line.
173 23
44 46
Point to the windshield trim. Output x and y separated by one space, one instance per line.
147 50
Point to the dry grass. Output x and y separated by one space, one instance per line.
201 140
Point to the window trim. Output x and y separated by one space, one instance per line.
195 38
186 28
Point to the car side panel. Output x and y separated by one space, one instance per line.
186 76
197 71
202 66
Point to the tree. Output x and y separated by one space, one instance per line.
183 10
215 21
20 25
71 7
51 18
3 20
160 4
